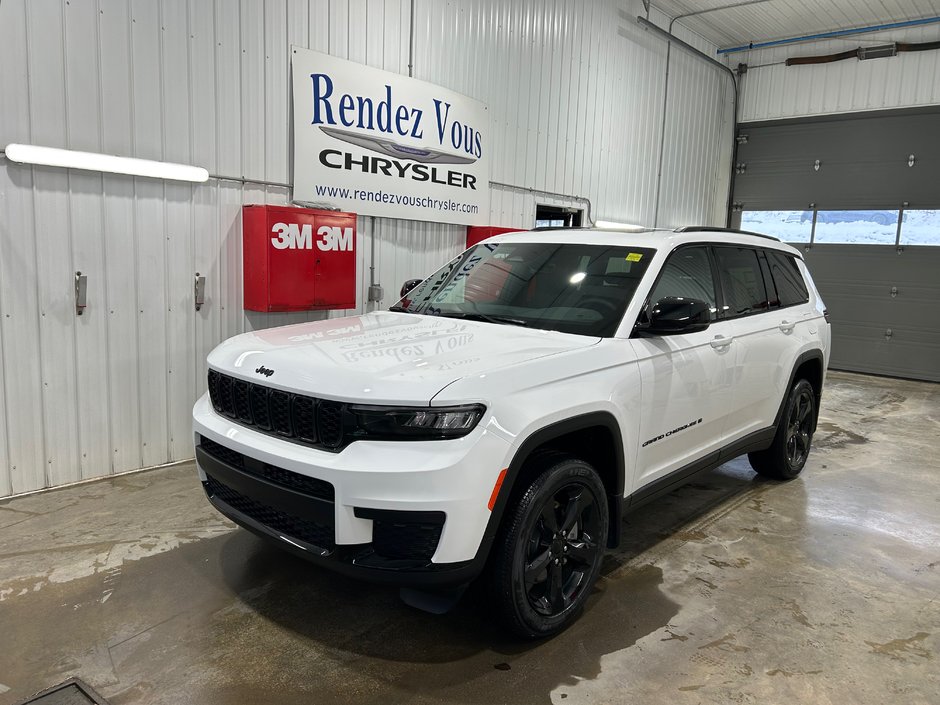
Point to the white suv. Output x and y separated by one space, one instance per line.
511 407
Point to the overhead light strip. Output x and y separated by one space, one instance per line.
108 163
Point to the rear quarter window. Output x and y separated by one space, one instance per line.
791 289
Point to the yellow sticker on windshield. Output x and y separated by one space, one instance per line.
634 257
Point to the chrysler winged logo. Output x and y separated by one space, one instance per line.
389 148
266 371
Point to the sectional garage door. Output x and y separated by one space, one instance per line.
860 194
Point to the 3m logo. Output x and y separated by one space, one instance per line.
291 236
335 239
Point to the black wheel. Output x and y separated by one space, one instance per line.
550 548
787 455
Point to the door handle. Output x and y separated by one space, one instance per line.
720 341
786 326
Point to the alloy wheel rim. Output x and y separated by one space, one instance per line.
799 428
561 550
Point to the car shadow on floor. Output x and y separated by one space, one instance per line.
371 621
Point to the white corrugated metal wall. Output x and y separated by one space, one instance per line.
575 91
771 90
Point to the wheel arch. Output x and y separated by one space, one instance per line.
809 365
601 431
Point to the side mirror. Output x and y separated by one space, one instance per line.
409 285
677 314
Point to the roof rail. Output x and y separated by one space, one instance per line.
714 229
547 228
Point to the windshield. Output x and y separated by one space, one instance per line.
571 288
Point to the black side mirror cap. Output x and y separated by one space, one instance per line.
409 285
673 315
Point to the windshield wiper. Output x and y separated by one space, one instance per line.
488 318
399 309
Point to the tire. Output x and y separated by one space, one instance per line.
787 455
549 550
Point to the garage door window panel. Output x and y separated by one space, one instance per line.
789 226
742 284
688 274
921 227
856 227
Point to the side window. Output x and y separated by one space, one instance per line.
687 273
741 281
786 273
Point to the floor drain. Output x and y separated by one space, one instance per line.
74 691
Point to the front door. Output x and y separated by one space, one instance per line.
686 379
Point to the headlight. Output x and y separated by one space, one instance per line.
425 423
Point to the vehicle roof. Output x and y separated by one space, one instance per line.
655 238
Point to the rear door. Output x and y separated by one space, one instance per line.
768 336
687 378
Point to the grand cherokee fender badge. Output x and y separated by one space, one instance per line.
675 430
266 371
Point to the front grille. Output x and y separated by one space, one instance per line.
279 405
292 526
412 541
220 452
309 486
330 423
303 419
240 400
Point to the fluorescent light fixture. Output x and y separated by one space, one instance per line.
92 161
613 225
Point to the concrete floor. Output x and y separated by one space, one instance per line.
731 590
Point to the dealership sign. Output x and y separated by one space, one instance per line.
379 143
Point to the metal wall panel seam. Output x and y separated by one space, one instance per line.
81 76
26 432
70 236
276 89
6 473
164 112
293 37
57 340
42 394
32 189
201 55
104 249
194 210
150 228
119 202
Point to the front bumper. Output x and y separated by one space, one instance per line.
404 512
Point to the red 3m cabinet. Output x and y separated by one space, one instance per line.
476 233
298 259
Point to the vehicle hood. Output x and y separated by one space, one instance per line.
383 357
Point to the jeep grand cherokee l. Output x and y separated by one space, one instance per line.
507 411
